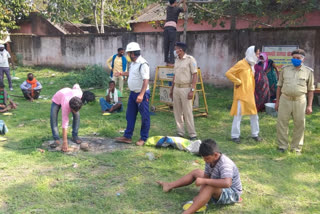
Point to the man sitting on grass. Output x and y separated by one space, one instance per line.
6 103
31 88
219 182
113 99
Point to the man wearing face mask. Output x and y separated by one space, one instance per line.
295 82
138 82
242 75
184 84
117 63
5 59
31 88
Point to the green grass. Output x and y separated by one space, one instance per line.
34 182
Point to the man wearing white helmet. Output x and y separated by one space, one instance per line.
138 82
5 59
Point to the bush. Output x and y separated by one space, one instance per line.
94 76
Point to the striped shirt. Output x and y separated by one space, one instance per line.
225 168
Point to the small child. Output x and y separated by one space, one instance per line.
219 182
6 103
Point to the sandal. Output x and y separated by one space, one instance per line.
55 144
76 140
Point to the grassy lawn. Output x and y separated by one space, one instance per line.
35 182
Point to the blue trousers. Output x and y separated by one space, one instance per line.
54 122
132 111
105 106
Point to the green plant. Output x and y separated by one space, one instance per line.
94 76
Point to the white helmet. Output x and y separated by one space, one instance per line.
133 46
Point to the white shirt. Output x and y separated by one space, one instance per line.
4 56
137 75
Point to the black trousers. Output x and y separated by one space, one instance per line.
35 94
169 40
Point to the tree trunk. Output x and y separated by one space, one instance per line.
102 16
185 25
94 7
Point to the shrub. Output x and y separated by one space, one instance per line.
94 76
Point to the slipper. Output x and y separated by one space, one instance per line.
76 139
7 114
106 114
140 142
54 145
3 139
189 203
123 140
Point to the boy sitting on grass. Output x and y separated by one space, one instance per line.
6 103
112 102
219 182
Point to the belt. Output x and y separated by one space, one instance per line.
187 85
293 98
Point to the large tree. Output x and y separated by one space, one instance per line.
110 12
10 12
289 12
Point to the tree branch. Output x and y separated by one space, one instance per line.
228 16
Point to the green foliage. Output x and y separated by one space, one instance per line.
36 182
116 12
290 12
10 12
94 76
71 10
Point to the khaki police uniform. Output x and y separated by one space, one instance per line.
182 107
294 83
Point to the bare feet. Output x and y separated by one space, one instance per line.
165 186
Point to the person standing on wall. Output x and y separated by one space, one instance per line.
170 29
117 63
242 76
138 82
295 82
182 90
5 59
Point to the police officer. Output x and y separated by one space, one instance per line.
295 81
182 90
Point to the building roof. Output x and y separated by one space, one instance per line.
154 12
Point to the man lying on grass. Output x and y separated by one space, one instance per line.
219 182
70 101
5 102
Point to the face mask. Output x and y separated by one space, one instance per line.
175 54
121 54
296 62
1 50
30 79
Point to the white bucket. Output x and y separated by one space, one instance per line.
270 109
